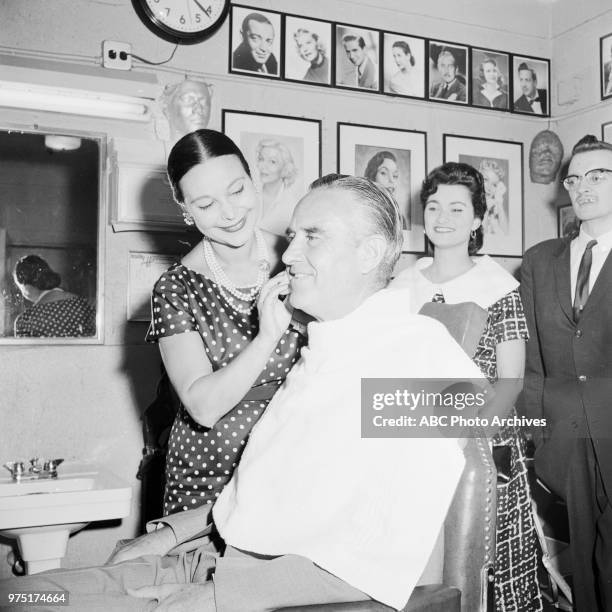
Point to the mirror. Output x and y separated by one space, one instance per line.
50 244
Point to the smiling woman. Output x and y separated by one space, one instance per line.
224 336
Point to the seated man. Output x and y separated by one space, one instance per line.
314 513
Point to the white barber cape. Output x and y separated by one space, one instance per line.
366 510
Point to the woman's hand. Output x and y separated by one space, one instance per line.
274 316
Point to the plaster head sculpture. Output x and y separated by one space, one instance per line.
186 105
545 155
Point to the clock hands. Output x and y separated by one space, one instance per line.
208 10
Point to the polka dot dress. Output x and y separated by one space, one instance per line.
200 461
63 318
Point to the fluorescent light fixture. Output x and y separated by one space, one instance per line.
57 142
73 101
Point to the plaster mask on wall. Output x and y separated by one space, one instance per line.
186 106
545 157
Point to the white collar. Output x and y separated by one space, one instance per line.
604 242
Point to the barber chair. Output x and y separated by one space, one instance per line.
468 536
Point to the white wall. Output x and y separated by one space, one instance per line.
85 402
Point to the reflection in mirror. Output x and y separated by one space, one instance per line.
49 215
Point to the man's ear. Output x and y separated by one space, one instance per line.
371 252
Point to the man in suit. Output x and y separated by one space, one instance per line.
451 88
566 286
533 100
366 71
254 53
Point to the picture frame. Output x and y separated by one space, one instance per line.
501 164
308 50
568 225
605 63
143 199
490 91
357 64
397 159
449 72
606 132
256 52
404 65
144 269
284 154
533 84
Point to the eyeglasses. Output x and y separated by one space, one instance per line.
592 177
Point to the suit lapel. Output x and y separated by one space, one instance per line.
602 286
563 283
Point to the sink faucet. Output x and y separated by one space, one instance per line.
48 469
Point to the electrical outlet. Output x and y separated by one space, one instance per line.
116 55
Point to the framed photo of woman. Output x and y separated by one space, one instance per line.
396 160
284 155
403 65
308 50
501 164
490 79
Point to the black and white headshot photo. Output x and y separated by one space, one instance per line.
448 72
530 85
404 65
307 50
490 79
255 44
605 59
357 57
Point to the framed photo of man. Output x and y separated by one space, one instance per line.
490 79
403 65
501 164
284 155
531 85
605 62
568 224
396 160
308 49
449 78
255 45
357 58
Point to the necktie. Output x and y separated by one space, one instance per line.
582 282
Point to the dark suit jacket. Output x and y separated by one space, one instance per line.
522 104
457 87
242 59
568 374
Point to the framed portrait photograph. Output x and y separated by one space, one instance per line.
308 49
501 164
143 271
490 79
449 78
567 222
403 65
284 154
395 159
606 132
605 62
357 58
255 42
531 85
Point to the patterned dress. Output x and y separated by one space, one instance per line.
517 549
201 460
70 316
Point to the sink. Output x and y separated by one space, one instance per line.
41 514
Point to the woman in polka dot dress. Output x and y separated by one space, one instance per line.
454 206
225 338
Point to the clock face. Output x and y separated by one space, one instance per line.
185 21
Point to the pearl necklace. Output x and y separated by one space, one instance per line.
227 288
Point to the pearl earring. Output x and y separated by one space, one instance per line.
187 218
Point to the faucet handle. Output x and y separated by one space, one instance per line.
16 468
51 466
35 466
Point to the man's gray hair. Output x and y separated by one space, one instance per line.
381 213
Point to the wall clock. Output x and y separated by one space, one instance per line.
182 21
